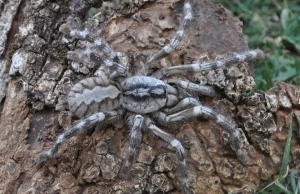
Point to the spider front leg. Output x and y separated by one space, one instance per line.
166 50
201 89
247 56
74 29
91 55
81 127
135 140
179 148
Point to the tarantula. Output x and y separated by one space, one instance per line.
145 101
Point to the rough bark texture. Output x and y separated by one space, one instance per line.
38 76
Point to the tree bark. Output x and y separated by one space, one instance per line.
36 78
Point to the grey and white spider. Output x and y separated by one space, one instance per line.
145 101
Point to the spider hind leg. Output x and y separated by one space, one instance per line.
81 127
136 124
175 143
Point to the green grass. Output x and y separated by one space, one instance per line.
286 183
283 184
274 27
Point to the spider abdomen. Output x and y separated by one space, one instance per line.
142 94
92 95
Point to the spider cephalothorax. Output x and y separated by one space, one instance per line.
146 101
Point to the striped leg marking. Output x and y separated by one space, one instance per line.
204 90
206 113
176 39
73 29
247 56
135 141
183 104
80 127
91 55
180 152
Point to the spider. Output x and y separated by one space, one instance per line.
145 101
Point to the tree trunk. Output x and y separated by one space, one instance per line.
36 78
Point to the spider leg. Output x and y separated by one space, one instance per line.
179 148
206 113
183 104
166 50
115 75
238 141
91 55
135 141
202 89
80 127
172 100
72 29
247 56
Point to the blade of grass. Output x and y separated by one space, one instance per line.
284 17
293 181
283 188
262 191
286 155
276 185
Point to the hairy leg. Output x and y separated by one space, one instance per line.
176 39
179 148
172 100
206 113
201 89
80 127
135 140
183 104
74 29
247 56
91 55
237 140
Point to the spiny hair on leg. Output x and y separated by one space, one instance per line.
80 127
